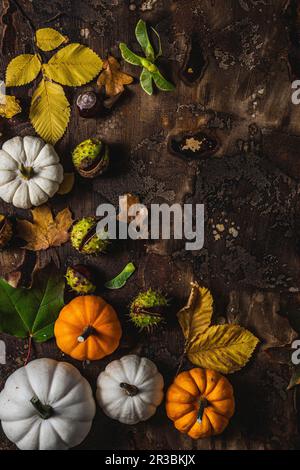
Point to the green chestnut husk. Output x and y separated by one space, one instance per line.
80 279
147 309
91 158
85 239
6 231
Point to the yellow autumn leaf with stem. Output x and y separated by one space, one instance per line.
22 70
48 39
49 111
73 65
9 106
224 348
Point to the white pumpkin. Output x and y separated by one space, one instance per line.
130 389
46 405
30 172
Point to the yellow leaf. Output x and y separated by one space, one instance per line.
73 65
49 111
112 78
45 231
67 184
22 70
195 317
9 106
48 39
224 348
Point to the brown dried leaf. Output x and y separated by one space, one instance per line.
126 201
45 231
112 78
67 184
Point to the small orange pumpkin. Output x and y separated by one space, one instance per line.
88 328
200 402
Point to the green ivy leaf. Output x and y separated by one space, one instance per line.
120 280
146 81
142 37
32 312
161 82
130 56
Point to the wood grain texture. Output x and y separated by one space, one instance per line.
250 189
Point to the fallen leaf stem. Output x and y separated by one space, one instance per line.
29 350
181 359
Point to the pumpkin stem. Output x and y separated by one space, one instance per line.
26 171
45 411
88 331
202 405
130 390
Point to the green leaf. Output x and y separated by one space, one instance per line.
142 37
120 280
146 81
161 82
32 312
130 56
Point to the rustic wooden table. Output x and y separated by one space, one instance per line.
248 53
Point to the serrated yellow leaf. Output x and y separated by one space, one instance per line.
9 106
74 65
48 39
22 70
224 348
49 111
195 317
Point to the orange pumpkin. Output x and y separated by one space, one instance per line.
87 328
200 402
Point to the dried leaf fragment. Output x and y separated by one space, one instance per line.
112 78
9 106
127 201
45 231
195 317
67 184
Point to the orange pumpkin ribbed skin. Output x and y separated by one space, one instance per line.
82 312
184 397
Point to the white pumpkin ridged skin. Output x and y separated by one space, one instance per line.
133 370
57 384
47 172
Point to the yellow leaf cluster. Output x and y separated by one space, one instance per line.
9 106
45 231
224 348
73 65
48 39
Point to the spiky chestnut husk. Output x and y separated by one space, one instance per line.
91 158
80 279
6 231
146 310
85 239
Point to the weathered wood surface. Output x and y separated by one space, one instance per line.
250 188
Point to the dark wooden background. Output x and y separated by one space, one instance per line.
251 185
